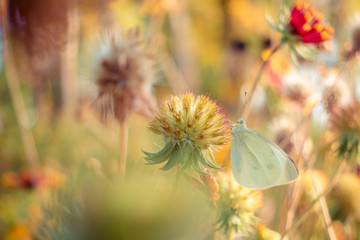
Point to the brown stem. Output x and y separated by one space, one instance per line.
69 95
257 79
124 135
324 207
13 83
323 194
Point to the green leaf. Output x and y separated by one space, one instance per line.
198 167
292 54
161 156
175 158
200 157
187 155
306 52
271 23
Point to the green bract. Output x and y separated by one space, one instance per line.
183 155
192 127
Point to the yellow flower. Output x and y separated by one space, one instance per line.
193 127
267 234
18 232
237 205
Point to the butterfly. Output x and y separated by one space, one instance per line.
257 162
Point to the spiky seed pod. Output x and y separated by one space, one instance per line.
237 205
346 125
125 77
193 127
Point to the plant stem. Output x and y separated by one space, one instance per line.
124 135
68 65
324 193
324 207
231 234
12 79
257 79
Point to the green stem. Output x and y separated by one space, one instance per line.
257 79
13 83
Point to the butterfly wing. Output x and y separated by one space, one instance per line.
259 163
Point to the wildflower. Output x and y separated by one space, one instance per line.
305 22
265 233
26 179
346 197
18 231
302 30
237 205
125 77
301 86
281 128
355 45
354 49
211 186
346 125
193 127
337 93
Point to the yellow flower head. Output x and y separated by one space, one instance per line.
192 127
237 205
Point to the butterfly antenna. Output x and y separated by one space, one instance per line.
244 114
230 123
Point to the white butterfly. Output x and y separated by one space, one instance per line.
257 162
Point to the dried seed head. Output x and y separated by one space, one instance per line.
192 126
237 205
338 94
281 128
346 125
355 48
125 77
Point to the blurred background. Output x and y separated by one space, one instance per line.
58 159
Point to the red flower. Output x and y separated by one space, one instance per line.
305 22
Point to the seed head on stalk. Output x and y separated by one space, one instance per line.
193 127
125 76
